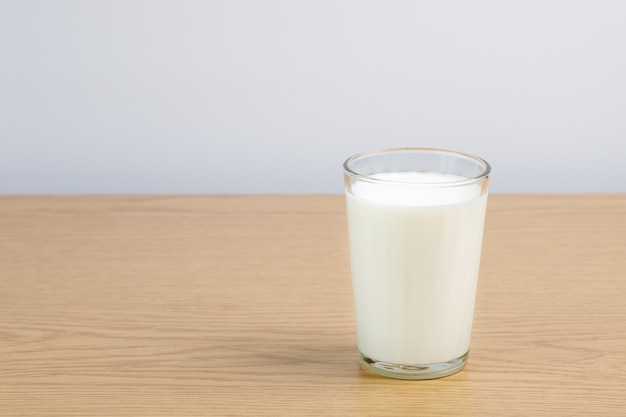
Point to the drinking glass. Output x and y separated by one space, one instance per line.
415 221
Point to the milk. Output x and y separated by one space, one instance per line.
415 251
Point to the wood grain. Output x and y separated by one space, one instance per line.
241 305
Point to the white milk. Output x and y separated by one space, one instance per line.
415 252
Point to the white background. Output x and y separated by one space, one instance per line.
127 96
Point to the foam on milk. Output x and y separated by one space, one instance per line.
415 188
415 252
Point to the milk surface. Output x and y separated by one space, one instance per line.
415 252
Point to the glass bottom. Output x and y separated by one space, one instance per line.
427 371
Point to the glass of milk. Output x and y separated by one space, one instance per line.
415 221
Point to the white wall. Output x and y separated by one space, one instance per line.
261 96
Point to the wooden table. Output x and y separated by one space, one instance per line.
242 305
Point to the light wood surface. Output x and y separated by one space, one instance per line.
242 305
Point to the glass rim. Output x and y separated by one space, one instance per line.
485 167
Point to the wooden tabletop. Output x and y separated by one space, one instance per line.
242 305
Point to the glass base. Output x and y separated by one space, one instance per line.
427 371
